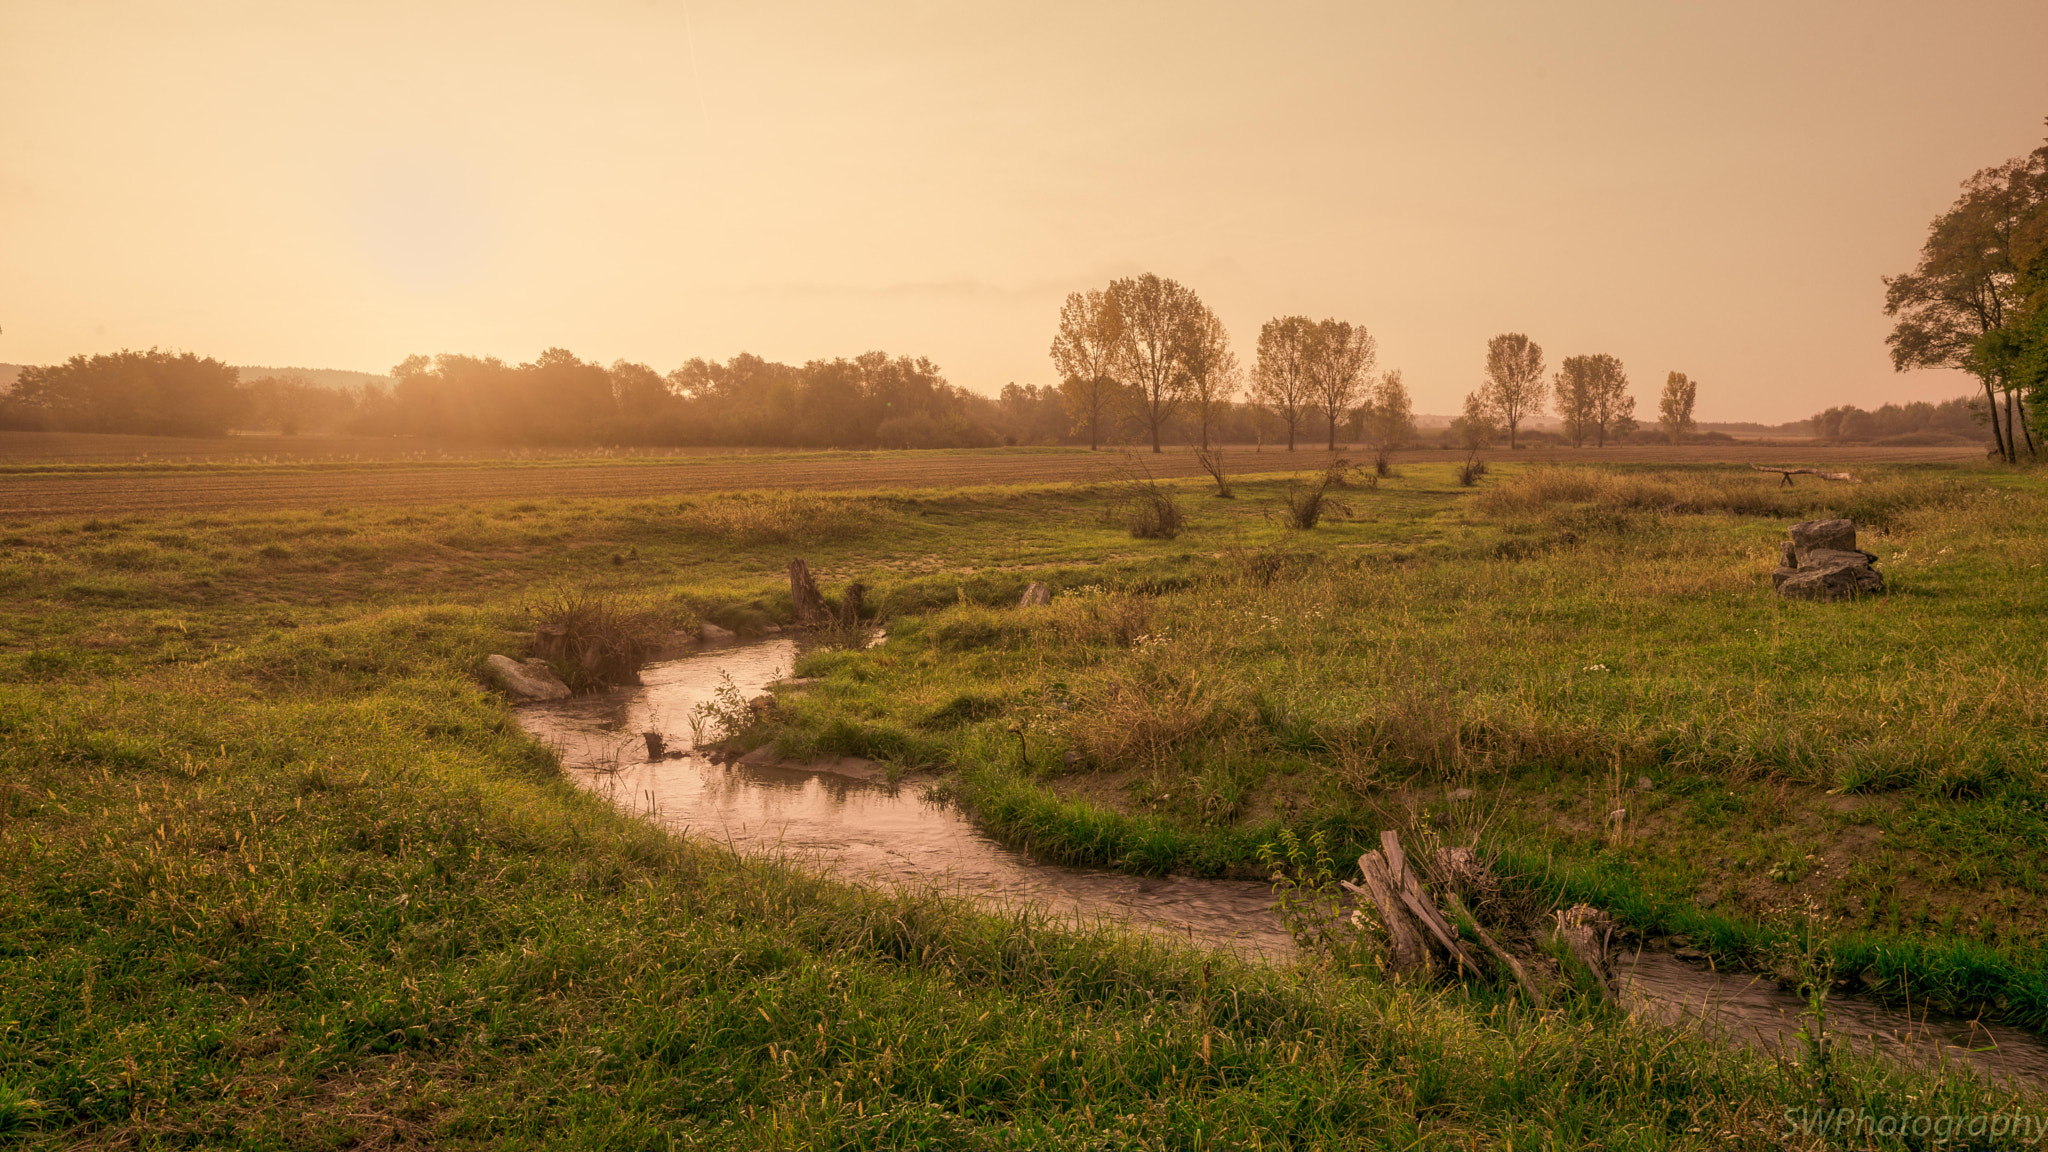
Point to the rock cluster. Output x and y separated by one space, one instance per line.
1822 562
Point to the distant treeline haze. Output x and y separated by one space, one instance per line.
869 401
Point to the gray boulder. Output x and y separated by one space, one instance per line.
1832 535
713 634
1035 593
1822 562
533 680
1839 581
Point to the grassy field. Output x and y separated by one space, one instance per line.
276 871
52 474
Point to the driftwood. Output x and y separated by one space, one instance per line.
1422 939
1411 919
1587 932
811 609
1501 954
1788 473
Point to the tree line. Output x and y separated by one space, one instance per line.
1977 299
1591 392
1146 355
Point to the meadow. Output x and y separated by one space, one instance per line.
62 474
276 869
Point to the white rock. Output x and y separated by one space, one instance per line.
533 680
713 634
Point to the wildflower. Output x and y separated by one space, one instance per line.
1596 668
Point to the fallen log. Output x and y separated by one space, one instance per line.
1788 473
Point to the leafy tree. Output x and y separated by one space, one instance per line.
639 393
1967 285
1084 352
1592 396
1386 418
1514 388
1674 410
1281 377
1477 427
153 393
1213 375
1160 320
1340 361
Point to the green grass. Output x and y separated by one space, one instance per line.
1550 643
276 871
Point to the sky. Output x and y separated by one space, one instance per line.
1716 188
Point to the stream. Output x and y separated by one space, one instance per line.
844 818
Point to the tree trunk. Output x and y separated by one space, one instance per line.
1991 410
803 595
2026 427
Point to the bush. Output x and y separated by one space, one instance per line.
1146 507
593 640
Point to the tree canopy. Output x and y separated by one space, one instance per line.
153 393
1974 299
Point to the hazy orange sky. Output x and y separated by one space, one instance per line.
1711 187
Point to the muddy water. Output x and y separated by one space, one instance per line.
868 830
864 830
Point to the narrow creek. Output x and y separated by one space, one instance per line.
855 825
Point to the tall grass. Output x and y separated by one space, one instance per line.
783 518
1726 489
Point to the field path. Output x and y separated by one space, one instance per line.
296 486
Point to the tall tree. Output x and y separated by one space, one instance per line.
1514 389
1476 427
1084 352
1388 418
1674 410
1341 356
1212 372
1280 376
1592 396
1573 388
1158 318
1967 281
1614 410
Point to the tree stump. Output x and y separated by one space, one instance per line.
655 744
1586 932
811 610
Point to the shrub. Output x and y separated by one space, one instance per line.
1147 508
594 640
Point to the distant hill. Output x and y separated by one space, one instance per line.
323 377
